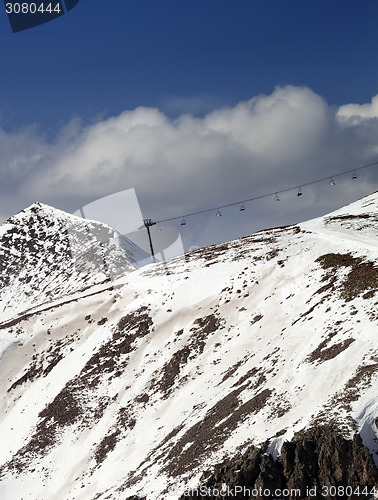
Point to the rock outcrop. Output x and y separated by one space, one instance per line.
318 463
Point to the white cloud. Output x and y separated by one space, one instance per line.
354 114
290 123
266 144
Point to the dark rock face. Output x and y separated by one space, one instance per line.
319 463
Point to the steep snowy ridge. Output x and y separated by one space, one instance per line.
46 253
138 385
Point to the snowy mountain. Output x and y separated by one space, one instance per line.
46 254
249 364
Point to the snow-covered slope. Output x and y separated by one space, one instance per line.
46 253
139 385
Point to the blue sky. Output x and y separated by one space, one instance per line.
104 57
67 80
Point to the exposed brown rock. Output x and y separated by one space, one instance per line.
362 277
318 463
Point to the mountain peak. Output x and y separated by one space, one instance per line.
40 209
46 253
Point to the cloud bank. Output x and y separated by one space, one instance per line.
176 166
354 114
